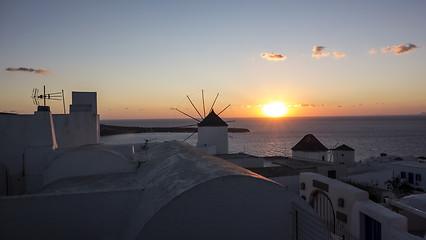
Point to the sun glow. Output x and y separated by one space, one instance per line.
275 109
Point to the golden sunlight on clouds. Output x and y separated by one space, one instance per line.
275 109
319 51
372 51
273 56
400 49
338 54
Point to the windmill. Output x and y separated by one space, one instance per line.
58 96
212 130
204 108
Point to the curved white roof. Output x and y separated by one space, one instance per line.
417 201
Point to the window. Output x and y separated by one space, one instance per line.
418 177
332 174
372 229
403 175
410 178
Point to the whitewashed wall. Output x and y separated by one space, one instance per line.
214 136
356 203
320 156
345 157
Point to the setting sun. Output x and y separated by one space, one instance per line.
275 109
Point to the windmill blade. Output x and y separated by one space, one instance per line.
204 106
189 136
214 102
224 109
187 115
194 107
190 125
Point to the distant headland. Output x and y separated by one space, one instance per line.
106 130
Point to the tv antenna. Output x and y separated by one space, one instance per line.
58 96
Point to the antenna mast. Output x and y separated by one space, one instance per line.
47 96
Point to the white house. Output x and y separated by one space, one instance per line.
408 169
414 208
28 139
348 212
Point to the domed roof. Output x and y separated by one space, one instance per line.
417 201
212 120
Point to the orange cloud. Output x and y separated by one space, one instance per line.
319 51
24 69
400 49
273 56
372 51
338 54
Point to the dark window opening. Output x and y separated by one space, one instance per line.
332 174
410 178
418 177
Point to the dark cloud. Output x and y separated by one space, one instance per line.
400 49
24 69
319 51
273 56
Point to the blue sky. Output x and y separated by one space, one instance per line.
144 57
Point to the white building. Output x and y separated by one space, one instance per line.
28 139
310 148
414 208
348 212
343 154
177 192
167 190
408 169
213 134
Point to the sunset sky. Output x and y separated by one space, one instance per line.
320 58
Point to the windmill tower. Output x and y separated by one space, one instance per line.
213 134
212 130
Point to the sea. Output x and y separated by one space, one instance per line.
370 136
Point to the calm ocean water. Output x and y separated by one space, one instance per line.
369 136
